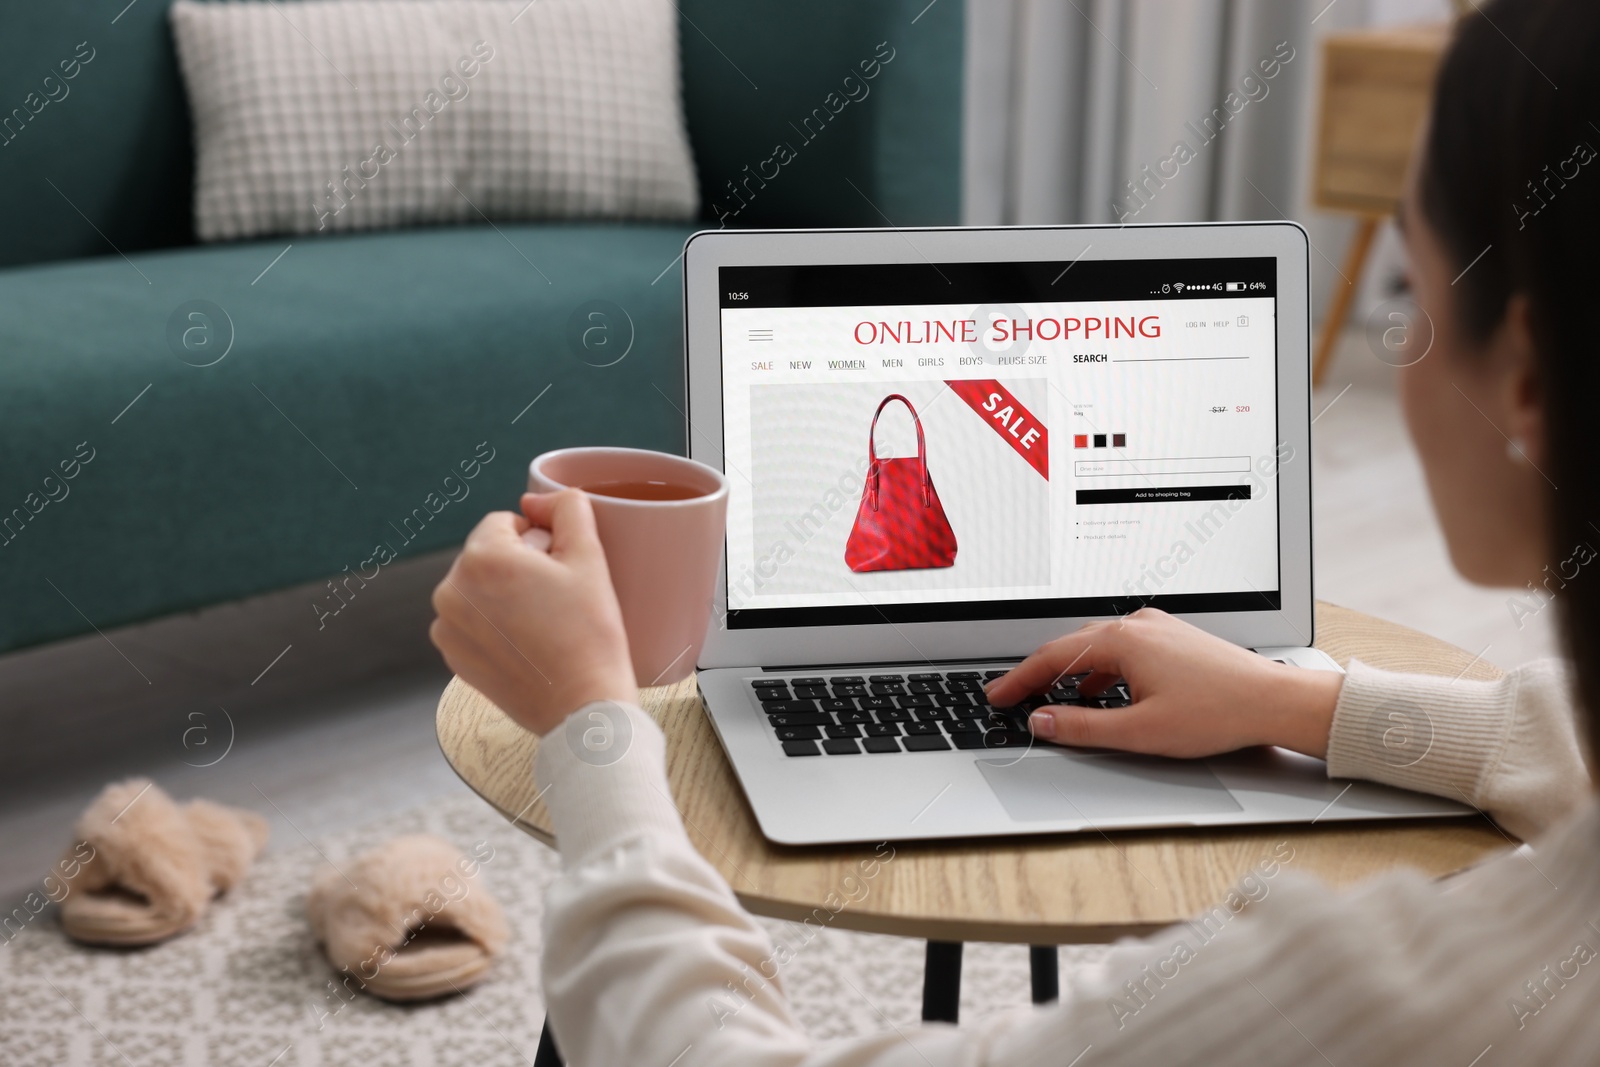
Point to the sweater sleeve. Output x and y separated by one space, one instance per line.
649 958
1509 746
648 955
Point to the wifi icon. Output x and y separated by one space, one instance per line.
1178 286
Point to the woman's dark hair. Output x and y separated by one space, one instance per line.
1511 164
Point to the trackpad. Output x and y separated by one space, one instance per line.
1099 787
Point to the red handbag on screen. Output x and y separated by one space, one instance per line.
901 525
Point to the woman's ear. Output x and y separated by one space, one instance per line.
1521 392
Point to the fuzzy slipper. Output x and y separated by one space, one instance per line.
408 919
153 865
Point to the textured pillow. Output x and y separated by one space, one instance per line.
333 115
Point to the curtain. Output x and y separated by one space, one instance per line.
1153 111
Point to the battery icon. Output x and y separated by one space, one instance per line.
1236 287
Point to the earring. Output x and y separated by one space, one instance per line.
1516 451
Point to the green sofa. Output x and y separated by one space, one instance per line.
365 376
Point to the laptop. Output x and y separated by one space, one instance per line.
949 446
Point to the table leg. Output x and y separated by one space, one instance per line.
1344 292
1046 973
941 982
547 1056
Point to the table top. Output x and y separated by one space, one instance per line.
1060 889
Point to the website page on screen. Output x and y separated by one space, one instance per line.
955 441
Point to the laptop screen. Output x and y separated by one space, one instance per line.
939 442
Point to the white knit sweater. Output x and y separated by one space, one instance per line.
645 943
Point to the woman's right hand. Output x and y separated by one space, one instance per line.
1194 694
536 631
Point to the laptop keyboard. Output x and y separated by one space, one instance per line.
924 711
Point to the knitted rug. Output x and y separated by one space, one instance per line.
249 987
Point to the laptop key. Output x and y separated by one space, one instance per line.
953 700
924 687
842 731
798 733
925 677
847 679
790 707
916 700
849 690
1006 739
964 675
886 679
881 744
800 718
883 689
921 729
854 717
1001 720
963 685
800 748
769 683
882 729
841 747
894 715
962 726
934 715
876 703
968 741
838 704
811 692
927 743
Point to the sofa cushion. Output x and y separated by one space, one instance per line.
368 114
240 418
789 130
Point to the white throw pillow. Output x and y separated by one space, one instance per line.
328 115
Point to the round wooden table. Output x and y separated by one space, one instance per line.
1039 890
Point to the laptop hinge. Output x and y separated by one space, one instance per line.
896 663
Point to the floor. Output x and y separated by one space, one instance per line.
333 750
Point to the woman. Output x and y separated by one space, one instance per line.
644 941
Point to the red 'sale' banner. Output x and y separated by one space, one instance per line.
1011 420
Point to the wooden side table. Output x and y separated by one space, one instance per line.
1377 86
1042 891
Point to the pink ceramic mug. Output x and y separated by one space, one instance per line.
663 554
